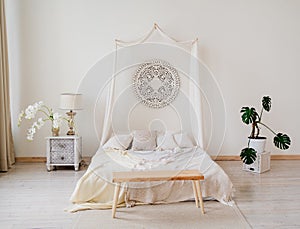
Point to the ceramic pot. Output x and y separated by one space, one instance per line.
258 144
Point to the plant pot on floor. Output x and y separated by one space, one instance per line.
258 144
262 162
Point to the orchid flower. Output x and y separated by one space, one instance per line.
31 112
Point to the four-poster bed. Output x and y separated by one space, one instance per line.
158 84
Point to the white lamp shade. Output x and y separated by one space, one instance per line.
70 101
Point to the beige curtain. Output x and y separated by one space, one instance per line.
7 157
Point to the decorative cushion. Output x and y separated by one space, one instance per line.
120 141
183 140
165 141
144 140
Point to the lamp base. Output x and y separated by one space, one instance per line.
71 123
71 132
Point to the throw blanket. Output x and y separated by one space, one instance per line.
95 190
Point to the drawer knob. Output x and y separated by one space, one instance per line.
62 158
61 145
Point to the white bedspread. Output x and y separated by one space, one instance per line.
95 190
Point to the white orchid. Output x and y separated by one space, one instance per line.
30 137
40 123
31 131
30 113
31 110
57 120
20 118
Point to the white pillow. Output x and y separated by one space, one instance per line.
166 141
144 140
183 140
121 141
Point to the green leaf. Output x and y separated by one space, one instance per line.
282 141
266 103
248 155
249 115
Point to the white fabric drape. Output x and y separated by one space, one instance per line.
109 105
194 87
195 95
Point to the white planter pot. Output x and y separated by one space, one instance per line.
258 144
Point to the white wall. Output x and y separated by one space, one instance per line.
250 46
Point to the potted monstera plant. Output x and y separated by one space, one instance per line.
255 141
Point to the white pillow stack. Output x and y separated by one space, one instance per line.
149 140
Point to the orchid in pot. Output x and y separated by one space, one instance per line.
250 116
47 115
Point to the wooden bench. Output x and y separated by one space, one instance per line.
167 175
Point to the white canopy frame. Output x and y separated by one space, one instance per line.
194 87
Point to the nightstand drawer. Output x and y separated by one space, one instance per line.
61 158
62 145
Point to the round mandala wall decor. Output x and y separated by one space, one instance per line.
156 83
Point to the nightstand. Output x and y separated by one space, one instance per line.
63 151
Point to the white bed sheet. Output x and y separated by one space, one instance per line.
95 190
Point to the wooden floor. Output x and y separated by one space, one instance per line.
268 200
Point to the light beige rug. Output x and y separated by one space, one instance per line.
177 215
35 198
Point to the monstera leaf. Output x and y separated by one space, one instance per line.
248 114
266 103
282 141
248 155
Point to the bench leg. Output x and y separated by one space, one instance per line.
198 185
196 194
116 198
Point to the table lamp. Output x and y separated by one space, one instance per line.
71 101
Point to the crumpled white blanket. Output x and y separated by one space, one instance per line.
95 190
